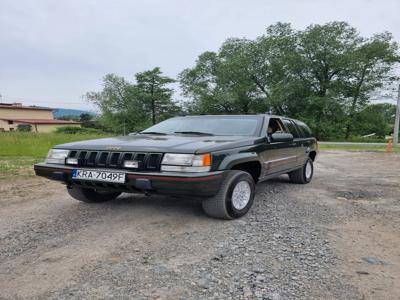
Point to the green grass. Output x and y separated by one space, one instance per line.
17 166
19 151
36 145
357 148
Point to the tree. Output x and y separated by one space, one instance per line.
120 107
371 62
243 76
324 75
85 117
151 88
318 69
132 106
376 118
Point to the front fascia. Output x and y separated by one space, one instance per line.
191 184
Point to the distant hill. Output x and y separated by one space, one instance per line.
60 112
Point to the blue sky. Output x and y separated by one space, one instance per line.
53 52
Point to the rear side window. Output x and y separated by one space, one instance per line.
305 130
291 127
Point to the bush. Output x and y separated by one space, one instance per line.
24 128
76 130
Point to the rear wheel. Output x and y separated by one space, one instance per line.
304 174
91 195
234 198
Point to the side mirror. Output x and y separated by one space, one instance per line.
281 137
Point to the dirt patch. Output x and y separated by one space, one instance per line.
369 257
336 238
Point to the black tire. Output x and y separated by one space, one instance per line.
300 175
220 206
91 195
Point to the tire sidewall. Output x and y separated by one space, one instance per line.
310 162
232 211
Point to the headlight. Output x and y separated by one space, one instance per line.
173 162
56 156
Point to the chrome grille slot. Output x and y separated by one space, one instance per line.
72 154
82 158
91 160
113 162
127 156
102 160
153 161
140 157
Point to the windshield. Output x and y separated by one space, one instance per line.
218 125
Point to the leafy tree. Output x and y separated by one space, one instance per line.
242 76
132 106
376 118
371 62
85 117
118 102
156 98
324 75
321 59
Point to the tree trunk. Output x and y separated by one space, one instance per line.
153 104
153 111
356 95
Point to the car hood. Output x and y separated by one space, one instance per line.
156 143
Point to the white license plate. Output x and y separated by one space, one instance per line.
94 175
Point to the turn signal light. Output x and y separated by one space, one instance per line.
207 159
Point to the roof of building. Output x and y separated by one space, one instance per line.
41 121
20 106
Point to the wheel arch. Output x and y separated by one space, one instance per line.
248 162
312 155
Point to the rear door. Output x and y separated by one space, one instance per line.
307 141
296 147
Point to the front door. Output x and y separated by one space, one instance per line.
278 156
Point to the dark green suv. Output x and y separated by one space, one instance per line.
216 158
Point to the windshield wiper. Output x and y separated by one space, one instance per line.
153 132
194 132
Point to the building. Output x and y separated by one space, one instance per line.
37 119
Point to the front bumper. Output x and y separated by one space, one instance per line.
189 184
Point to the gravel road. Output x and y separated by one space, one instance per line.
336 238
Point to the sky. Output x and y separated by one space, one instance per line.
53 52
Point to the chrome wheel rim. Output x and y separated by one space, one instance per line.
241 195
308 170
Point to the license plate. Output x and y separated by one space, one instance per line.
94 175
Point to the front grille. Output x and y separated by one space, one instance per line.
106 159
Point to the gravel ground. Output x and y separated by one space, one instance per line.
336 238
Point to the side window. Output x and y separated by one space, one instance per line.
291 127
275 125
304 129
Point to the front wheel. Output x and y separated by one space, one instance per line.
91 195
234 198
304 174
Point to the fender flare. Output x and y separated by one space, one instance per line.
238 158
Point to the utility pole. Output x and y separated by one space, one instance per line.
397 121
